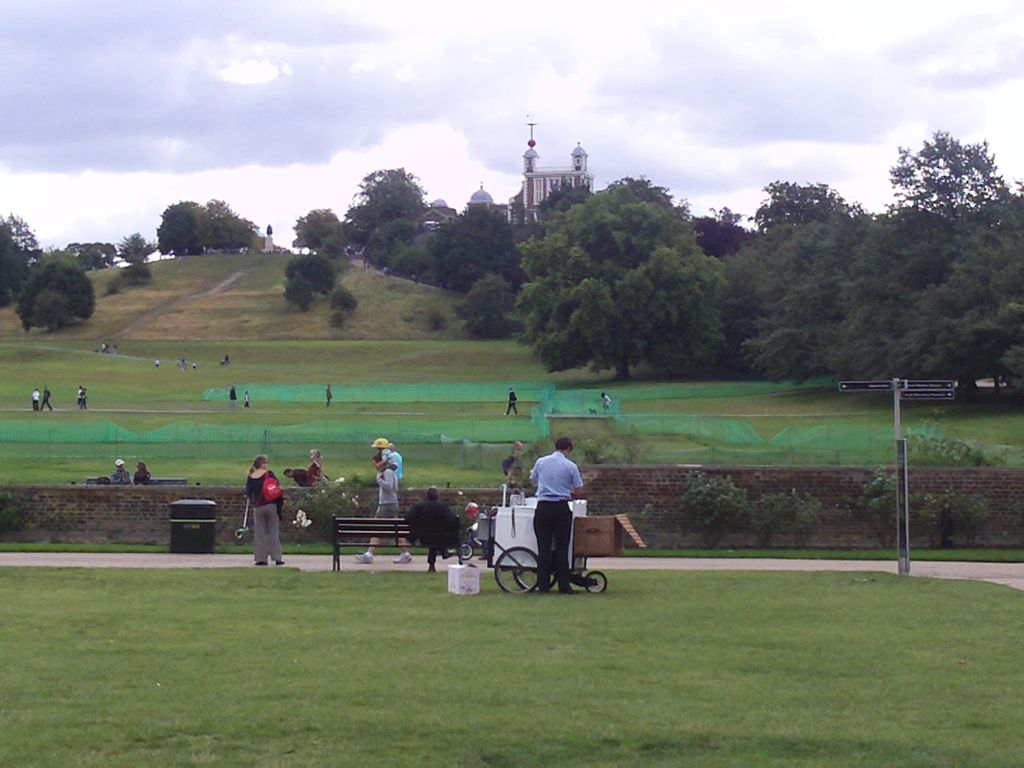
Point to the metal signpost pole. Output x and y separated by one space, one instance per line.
902 516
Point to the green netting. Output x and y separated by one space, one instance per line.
733 431
579 402
715 389
845 437
453 392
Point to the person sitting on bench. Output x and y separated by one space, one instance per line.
432 509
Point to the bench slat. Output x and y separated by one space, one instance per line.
349 531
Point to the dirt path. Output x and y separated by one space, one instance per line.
161 309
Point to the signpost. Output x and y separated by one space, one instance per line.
903 389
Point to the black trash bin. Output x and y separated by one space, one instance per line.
193 526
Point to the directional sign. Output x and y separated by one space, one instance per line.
936 394
928 385
860 386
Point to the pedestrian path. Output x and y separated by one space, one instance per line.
1008 574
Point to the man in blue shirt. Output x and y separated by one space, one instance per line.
558 481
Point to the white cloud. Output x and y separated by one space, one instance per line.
250 72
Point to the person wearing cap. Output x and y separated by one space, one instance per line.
433 509
558 481
120 475
387 504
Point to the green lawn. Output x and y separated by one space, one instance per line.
257 667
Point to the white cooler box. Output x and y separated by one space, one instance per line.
513 526
463 580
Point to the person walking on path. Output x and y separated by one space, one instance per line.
82 395
46 399
558 481
232 397
266 514
35 400
512 400
329 395
387 506
246 400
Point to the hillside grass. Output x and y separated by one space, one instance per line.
177 304
244 667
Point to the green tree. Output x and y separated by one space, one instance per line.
307 277
948 179
793 204
619 280
180 229
56 294
489 308
19 250
221 229
386 213
299 292
476 243
92 256
135 250
318 228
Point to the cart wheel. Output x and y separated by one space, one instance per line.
600 581
516 570
466 551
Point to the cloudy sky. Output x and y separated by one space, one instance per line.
114 109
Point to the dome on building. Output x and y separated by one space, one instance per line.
579 151
439 203
481 197
530 154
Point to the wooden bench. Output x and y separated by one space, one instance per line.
104 480
357 531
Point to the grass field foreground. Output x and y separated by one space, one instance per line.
256 667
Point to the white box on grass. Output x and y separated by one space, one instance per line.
463 580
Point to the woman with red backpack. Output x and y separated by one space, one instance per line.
264 491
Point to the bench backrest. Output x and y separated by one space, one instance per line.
440 532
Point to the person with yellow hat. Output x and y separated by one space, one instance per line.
387 500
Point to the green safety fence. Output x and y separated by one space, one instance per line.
452 392
732 431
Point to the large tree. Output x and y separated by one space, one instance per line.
180 229
478 242
135 250
619 280
221 229
56 294
720 233
319 230
791 204
19 250
93 256
386 213
190 228
949 179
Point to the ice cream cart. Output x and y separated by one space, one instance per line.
509 543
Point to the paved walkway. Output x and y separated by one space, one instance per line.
1008 574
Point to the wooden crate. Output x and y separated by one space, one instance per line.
597 537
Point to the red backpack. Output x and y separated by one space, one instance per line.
271 490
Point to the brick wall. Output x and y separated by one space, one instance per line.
650 495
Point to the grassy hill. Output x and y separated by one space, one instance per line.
241 296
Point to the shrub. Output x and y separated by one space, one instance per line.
113 287
877 502
949 452
299 293
11 513
343 299
322 504
716 506
950 514
796 514
136 274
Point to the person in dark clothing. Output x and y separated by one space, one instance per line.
232 397
300 476
142 475
46 399
432 509
512 400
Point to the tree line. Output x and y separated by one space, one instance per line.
810 284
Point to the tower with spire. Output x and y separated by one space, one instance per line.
540 182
